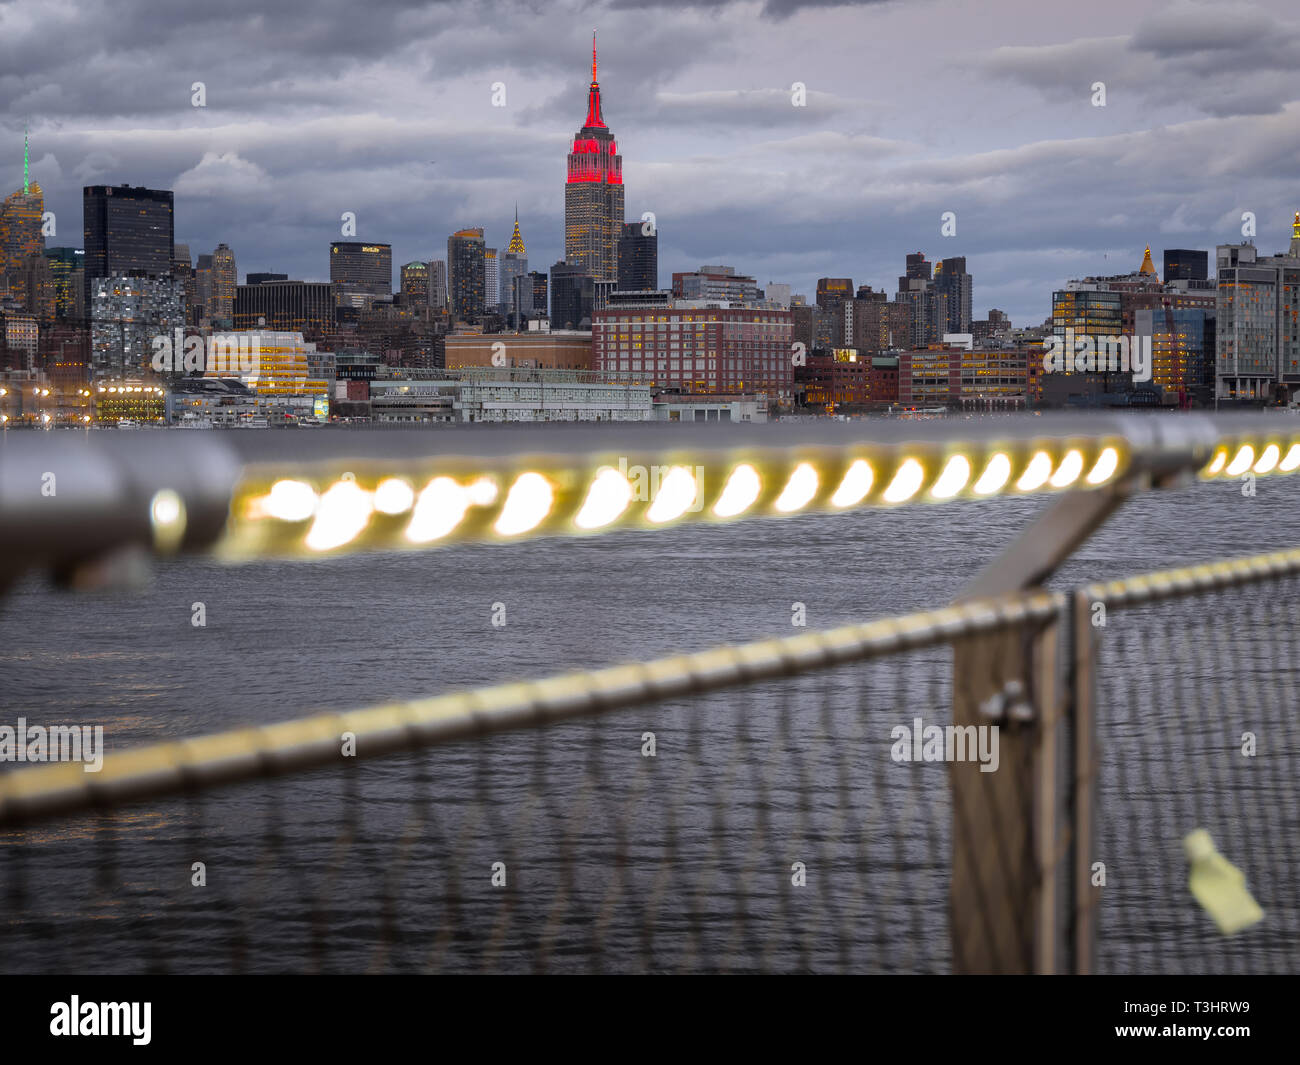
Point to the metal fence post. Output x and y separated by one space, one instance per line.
1083 728
1003 896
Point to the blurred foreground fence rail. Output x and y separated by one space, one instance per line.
1001 785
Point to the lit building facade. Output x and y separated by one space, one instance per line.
306 307
697 349
126 313
1182 352
20 223
67 267
952 376
415 284
282 366
359 270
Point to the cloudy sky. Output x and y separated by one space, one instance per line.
914 108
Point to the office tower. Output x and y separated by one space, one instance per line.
438 285
1185 264
224 279
35 287
638 258
126 313
415 284
306 307
536 284
835 298
1182 350
833 290
257 279
593 192
918 268
20 223
68 270
360 272
513 264
491 279
183 271
952 282
127 231
202 290
1257 341
573 295
466 294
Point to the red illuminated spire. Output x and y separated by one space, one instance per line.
594 119
594 157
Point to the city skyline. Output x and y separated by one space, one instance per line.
996 125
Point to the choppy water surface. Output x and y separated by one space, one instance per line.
645 871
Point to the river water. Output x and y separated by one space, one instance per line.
611 858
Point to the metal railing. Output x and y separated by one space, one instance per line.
741 809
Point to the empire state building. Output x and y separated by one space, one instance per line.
593 194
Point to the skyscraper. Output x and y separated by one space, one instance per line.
127 231
638 258
438 285
593 193
202 307
952 280
415 284
491 279
359 272
533 293
20 223
573 294
67 266
465 278
224 280
513 263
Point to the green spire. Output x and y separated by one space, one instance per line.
27 184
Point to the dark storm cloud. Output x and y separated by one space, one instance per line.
777 9
1225 59
1188 28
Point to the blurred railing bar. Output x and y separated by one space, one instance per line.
108 482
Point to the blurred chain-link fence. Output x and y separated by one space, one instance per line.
1199 727
791 805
